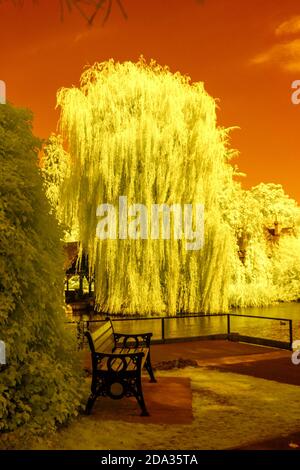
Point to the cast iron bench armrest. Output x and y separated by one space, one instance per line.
127 359
139 340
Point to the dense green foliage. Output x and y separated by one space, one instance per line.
54 166
140 131
270 271
40 385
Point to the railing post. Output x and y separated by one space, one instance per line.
228 324
291 333
80 334
163 329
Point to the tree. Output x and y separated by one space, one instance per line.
40 387
54 166
269 271
88 9
135 130
275 205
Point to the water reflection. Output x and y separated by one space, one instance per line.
204 326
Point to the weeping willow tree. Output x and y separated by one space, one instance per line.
139 131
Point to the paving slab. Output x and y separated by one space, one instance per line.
169 401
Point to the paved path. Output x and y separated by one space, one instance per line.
240 358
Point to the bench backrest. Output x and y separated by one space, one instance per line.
102 340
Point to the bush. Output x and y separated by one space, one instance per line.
40 387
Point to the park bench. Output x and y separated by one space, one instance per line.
117 363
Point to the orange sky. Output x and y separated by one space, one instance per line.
246 51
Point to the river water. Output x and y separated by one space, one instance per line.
274 327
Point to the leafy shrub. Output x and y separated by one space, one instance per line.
40 386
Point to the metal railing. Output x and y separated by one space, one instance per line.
231 326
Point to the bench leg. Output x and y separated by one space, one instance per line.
90 403
138 393
149 369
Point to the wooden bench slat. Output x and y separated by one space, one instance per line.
105 334
101 331
105 345
130 350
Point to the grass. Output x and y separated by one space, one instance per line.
229 410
